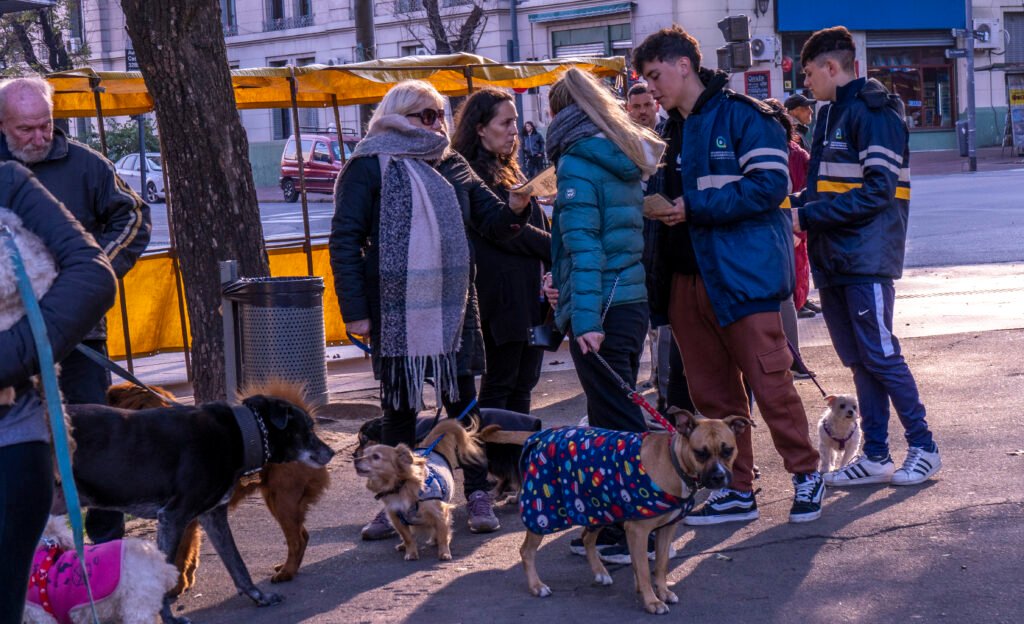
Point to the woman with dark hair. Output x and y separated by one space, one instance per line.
508 277
403 268
531 150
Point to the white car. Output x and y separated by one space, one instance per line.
128 168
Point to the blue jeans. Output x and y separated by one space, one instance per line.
859 320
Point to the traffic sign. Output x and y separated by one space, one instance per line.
952 53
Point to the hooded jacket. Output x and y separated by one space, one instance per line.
857 202
596 233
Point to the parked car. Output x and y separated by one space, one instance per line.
322 160
129 168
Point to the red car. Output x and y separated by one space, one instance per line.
322 160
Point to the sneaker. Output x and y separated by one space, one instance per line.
379 528
861 471
917 467
610 536
813 307
805 312
481 513
725 505
619 553
809 489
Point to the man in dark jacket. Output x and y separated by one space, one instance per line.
801 109
855 212
85 182
83 291
725 252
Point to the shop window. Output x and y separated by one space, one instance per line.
923 78
793 79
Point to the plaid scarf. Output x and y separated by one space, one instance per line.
424 262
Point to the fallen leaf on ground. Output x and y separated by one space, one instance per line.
722 557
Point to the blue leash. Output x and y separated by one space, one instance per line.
359 343
53 405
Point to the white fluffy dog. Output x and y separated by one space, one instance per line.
839 432
41 269
131 595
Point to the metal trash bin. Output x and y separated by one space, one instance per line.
279 332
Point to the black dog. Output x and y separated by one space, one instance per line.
177 464
502 457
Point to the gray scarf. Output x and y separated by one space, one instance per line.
424 262
570 125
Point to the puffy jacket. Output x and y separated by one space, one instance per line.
596 233
735 176
857 201
83 291
86 183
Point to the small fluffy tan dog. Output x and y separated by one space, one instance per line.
41 269
129 578
416 488
838 432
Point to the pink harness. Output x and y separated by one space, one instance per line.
56 583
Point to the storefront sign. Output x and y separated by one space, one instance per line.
1015 94
758 84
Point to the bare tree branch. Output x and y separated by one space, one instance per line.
28 52
436 27
464 42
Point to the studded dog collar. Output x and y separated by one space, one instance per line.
255 442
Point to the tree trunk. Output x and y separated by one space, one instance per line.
215 216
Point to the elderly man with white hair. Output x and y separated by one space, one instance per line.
85 182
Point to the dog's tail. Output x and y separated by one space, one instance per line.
458 442
494 434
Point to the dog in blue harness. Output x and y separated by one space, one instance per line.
595 477
416 486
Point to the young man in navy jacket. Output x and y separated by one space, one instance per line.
855 211
724 257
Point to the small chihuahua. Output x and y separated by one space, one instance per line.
838 432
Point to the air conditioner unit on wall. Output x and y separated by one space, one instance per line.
992 34
763 48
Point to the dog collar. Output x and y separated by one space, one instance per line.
842 441
255 441
394 490
688 481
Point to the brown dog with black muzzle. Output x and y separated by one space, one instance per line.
595 477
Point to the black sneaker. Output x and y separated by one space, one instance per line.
813 307
725 505
619 553
809 489
610 536
806 312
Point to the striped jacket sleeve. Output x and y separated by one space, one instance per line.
848 193
762 183
126 220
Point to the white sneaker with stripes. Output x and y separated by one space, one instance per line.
917 467
861 471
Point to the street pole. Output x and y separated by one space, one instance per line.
513 54
142 155
972 154
365 49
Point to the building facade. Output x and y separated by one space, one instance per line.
900 42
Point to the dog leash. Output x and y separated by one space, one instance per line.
365 348
113 367
635 396
800 363
53 406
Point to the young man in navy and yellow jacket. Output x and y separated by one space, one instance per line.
723 260
855 212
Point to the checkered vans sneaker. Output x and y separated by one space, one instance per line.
808 490
917 467
725 505
861 471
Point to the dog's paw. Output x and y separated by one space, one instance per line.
444 556
282 574
656 607
400 547
666 596
541 590
265 599
603 579
412 555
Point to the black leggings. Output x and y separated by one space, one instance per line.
26 491
399 427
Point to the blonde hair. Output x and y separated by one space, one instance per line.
405 98
639 144
34 84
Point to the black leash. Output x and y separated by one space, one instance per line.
109 364
803 368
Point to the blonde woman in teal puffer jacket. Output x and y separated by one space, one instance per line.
601 158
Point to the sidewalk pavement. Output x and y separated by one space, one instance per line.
950 550
944 162
274 194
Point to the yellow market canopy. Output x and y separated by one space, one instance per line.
125 93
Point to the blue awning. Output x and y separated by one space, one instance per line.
810 15
10 6
570 14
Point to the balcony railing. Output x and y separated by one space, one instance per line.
285 23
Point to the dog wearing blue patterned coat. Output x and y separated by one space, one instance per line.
595 477
416 486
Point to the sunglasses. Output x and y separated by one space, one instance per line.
428 116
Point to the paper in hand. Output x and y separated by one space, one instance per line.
543 184
656 204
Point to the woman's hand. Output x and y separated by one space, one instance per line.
547 287
590 341
518 201
358 328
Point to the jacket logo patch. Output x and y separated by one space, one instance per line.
570 193
720 143
839 134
